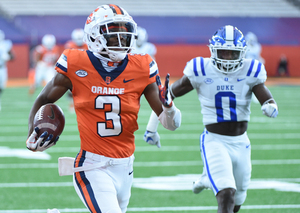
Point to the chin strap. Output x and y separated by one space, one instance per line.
116 56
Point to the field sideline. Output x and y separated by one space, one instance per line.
29 182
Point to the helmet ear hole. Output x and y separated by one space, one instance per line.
92 39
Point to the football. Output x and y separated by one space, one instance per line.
50 118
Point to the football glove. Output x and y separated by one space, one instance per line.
164 93
41 143
270 110
152 138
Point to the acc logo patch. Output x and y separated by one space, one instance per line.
81 73
208 81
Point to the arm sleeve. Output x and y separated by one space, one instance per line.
170 118
152 123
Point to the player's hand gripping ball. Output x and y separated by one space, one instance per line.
49 122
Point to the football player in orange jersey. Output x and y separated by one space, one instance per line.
77 40
75 43
107 84
44 58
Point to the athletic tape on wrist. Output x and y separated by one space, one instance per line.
267 101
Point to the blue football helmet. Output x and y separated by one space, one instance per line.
228 48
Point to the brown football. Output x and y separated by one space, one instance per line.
50 118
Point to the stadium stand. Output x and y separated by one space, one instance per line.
253 8
180 29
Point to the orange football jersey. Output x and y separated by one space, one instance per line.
107 103
49 57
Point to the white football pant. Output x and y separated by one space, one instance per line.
106 189
227 162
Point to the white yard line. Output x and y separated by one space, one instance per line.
136 180
182 148
174 136
162 209
149 164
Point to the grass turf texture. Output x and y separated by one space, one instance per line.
280 137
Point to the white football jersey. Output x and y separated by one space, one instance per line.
5 47
224 97
147 47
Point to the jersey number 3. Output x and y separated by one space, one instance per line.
112 116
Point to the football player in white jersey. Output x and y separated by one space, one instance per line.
142 45
253 47
224 84
5 56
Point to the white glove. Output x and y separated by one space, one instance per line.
270 110
152 138
42 143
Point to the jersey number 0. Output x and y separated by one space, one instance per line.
220 106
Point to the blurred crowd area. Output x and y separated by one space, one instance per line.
179 30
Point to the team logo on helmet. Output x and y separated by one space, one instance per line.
91 17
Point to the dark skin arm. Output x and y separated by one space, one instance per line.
151 94
183 86
60 84
53 91
262 93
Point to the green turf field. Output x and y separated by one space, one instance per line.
29 182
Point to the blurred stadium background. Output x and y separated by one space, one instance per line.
179 29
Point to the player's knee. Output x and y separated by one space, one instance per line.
226 196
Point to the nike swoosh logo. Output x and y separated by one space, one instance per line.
247 146
241 79
149 139
124 81
53 115
130 172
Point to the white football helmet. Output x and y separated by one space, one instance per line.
251 39
106 23
228 48
77 36
49 41
142 36
2 35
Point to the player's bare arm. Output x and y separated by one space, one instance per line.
181 87
55 89
151 95
262 93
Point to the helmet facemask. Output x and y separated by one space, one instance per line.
227 60
228 49
118 39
